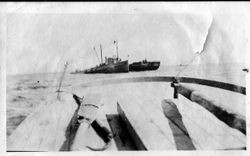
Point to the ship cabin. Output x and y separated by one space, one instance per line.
112 60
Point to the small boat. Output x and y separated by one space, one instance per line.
144 65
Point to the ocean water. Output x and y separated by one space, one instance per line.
26 92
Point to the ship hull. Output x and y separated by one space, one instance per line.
120 67
144 66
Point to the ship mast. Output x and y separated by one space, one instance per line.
116 43
101 53
96 55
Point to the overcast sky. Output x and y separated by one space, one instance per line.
39 42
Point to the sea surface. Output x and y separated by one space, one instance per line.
27 91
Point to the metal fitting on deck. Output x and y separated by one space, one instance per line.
175 84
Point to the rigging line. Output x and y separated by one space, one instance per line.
60 83
199 52
96 55
187 65
87 54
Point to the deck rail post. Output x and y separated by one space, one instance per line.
175 84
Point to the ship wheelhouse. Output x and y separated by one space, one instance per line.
111 60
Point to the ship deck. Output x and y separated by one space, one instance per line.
49 128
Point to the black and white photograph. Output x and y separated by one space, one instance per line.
125 76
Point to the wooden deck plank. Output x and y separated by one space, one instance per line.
34 133
182 138
123 140
226 115
212 136
153 134
206 130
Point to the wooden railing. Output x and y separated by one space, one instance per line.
211 83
